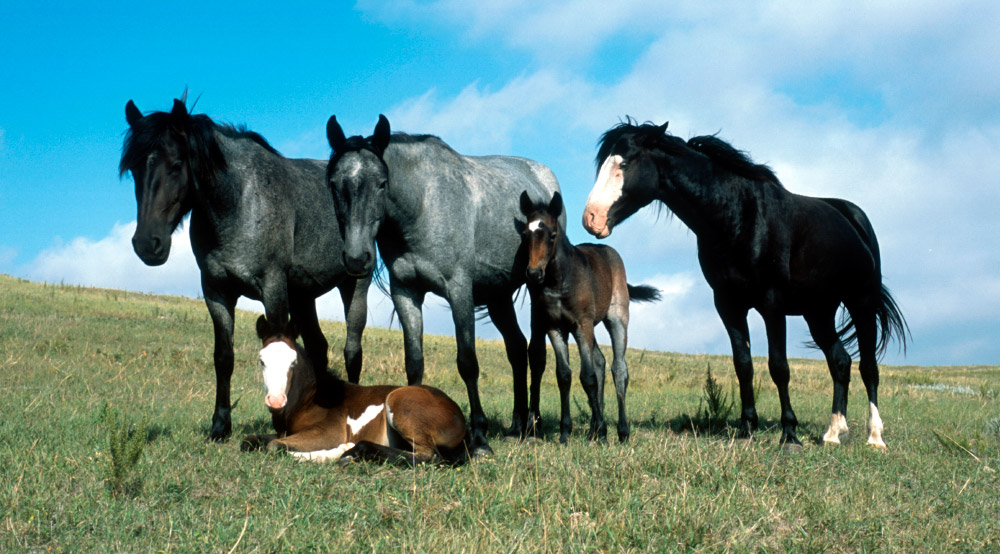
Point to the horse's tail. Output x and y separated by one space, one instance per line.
890 322
643 293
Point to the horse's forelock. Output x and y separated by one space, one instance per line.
648 131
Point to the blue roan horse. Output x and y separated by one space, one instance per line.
447 224
760 247
261 227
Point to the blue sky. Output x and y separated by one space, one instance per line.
893 105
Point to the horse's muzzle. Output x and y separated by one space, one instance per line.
151 249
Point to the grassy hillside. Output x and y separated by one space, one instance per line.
80 365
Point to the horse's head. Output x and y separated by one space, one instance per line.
358 177
157 153
280 358
627 175
542 233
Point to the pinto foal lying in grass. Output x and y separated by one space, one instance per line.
319 417
572 288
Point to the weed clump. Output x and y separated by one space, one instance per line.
125 445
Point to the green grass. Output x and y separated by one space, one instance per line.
67 352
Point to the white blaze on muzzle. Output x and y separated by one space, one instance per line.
276 361
607 189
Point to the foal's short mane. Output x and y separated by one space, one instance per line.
654 136
193 131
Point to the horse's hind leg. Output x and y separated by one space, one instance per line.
354 294
777 365
865 326
564 376
505 320
372 452
220 308
618 330
824 332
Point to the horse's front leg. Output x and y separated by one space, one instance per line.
409 307
463 313
735 320
220 308
354 294
303 312
777 364
503 317
564 377
591 381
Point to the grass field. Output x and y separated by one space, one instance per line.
73 358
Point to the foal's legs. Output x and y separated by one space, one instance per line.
220 308
584 336
502 313
354 294
777 365
735 320
824 331
618 329
536 361
564 377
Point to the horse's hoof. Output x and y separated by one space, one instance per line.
345 460
481 451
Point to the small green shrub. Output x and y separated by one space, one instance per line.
125 446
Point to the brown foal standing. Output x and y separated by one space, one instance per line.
572 288
319 417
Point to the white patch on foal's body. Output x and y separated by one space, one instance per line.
366 417
609 183
330 455
838 425
875 427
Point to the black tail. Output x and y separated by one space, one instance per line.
891 324
643 293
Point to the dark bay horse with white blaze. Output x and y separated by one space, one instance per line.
260 228
324 418
572 288
447 224
760 247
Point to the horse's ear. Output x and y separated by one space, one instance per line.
263 329
663 128
132 114
291 331
179 109
556 205
334 134
527 206
380 140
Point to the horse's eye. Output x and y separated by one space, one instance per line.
622 165
382 184
176 167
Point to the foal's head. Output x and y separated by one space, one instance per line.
280 359
358 178
542 233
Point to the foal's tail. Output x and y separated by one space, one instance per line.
454 456
643 293
890 321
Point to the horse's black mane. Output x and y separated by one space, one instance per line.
194 131
719 151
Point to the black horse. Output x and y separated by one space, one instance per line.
260 228
447 224
760 247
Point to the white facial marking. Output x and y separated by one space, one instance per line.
366 417
609 183
875 427
276 359
330 455
535 225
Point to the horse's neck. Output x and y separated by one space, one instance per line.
560 276
405 195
